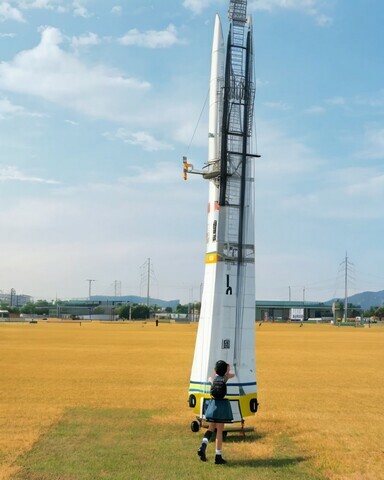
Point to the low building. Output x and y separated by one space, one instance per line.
275 310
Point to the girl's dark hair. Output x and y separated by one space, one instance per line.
221 367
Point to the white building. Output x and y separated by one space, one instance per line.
13 299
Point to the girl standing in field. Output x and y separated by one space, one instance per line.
218 411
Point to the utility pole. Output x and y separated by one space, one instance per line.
148 279
90 280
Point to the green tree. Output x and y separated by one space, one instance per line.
370 312
123 311
42 303
13 309
354 312
168 309
100 310
42 307
379 312
28 308
140 312
182 308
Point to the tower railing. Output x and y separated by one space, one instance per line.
237 12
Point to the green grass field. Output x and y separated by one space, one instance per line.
109 401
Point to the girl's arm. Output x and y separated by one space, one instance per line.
229 375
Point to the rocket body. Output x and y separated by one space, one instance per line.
226 328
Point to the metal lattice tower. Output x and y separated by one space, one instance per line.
237 129
237 12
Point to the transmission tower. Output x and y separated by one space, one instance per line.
89 280
146 275
346 265
117 288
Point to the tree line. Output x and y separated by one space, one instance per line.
125 311
377 312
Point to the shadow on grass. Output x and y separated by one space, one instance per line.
269 462
248 438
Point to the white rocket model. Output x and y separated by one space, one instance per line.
227 320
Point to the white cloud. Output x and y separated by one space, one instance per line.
261 83
77 7
292 178
288 4
79 10
337 101
60 6
196 6
322 20
7 12
315 110
152 38
277 105
373 100
373 145
348 193
37 4
117 10
366 182
85 40
47 71
309 7
162 174
8 109
148 142
283 156
141 139
7 35
10 173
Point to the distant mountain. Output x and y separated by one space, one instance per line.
366 299
135 299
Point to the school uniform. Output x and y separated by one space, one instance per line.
219 409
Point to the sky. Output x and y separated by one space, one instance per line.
100 100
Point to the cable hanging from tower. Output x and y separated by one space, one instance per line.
198 122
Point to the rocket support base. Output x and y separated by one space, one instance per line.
228 428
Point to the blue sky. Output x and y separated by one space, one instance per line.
99 101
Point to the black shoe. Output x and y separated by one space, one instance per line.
219 460
201 453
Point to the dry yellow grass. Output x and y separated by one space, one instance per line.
320 385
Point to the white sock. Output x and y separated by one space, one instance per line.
218 452
205 440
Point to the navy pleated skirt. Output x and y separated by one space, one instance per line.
219 411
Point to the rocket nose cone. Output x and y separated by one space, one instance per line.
218 38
